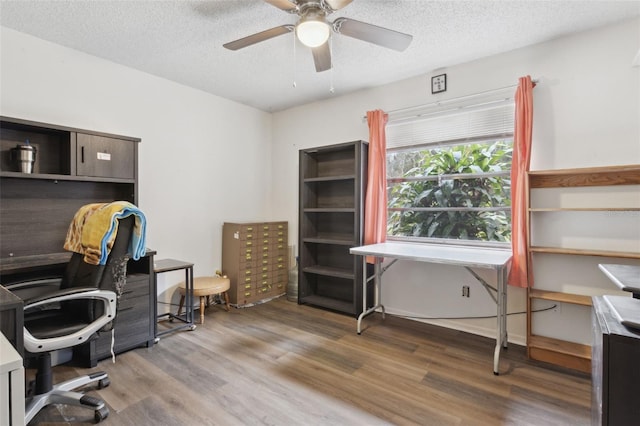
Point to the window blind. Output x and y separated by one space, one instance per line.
452 122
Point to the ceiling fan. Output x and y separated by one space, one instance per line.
313 29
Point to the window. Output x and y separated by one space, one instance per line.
448 173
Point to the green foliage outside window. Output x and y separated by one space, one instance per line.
425 200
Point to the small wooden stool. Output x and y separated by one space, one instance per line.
204 287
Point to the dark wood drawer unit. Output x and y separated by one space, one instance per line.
615 369
135 318
332 189
255 258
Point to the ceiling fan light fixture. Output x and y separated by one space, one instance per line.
313 31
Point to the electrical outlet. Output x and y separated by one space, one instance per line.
465 291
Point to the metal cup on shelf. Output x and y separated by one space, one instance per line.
24 155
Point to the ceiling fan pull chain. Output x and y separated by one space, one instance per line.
331 89
294 59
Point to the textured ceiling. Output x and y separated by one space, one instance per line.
182 40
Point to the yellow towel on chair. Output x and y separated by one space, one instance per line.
94 228
74 242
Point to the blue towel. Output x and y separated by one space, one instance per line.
137 244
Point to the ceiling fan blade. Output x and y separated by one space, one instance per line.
322 57
286 5
258 37
338 4
372 33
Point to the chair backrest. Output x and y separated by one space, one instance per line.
78 273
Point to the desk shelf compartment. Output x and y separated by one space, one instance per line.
53 147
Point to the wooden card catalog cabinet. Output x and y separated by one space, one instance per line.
255 258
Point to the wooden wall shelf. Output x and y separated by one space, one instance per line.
586 209
560 352
542 348
576 299
583 252
588 176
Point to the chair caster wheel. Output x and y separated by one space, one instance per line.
101 414
103 383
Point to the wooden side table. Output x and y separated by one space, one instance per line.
167 265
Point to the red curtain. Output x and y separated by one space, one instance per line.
375 213
520 273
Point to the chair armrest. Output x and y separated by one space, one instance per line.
74 293
108 298
26 290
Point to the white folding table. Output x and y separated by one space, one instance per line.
469 257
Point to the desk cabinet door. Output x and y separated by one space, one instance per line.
102 156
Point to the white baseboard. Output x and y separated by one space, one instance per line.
460 325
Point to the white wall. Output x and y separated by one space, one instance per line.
586 113
203 160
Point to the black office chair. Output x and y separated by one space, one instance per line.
68 311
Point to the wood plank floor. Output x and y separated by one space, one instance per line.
283 364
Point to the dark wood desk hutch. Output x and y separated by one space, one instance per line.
73 167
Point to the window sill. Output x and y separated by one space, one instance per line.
448 242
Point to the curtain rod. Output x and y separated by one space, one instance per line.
437 103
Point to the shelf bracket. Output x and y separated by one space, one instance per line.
485 284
